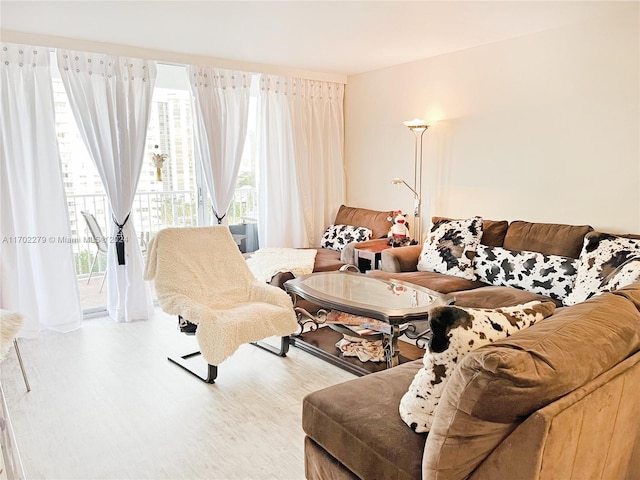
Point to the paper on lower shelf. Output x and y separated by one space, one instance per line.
358 324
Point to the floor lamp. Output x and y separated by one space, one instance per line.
418 127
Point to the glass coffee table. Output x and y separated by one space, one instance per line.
386 308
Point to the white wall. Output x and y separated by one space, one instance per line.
543 127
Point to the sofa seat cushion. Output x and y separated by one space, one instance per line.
548 238
497 386
357 422
327 260
439 282
495 297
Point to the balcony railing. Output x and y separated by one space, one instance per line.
151 212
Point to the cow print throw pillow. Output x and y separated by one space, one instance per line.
456 331
625 274
451 246
549 275
336 237
602 254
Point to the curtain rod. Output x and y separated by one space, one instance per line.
172 58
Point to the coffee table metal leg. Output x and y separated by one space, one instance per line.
390 344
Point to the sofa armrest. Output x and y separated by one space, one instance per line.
348 254
401 259
279 278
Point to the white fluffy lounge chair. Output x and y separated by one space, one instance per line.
201 276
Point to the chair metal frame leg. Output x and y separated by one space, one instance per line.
209 373
285 342
24 372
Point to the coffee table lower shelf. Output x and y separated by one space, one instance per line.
322 344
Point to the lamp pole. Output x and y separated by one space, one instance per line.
418 127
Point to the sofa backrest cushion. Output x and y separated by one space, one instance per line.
493 231
581 435
547 238
497 386
374 220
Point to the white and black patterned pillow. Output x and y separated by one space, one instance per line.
336 237
550 275
451 246
456 331
625 274
601 255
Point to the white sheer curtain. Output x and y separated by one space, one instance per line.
221 110
318 135
301 137
37 271
280 220
111 100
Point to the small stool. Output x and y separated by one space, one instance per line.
369 257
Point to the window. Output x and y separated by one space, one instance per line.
168 199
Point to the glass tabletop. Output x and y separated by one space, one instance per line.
362 294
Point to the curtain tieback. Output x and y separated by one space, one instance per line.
120 239
220 218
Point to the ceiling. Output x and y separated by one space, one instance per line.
344 37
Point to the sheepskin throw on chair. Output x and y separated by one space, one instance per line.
201 275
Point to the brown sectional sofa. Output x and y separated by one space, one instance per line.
559 400
547 238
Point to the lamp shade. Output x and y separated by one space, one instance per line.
416 124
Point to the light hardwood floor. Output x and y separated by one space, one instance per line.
105 403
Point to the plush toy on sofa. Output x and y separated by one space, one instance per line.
399 232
